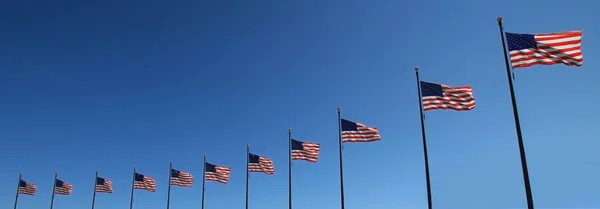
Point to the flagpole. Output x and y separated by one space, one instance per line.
427 177
247 167
203 181
341 162
290 169
132 189
169 182
18 185
517 122
94 196
53 188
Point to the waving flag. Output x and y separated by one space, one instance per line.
546 49
306 151
26 188
62 188
356 132
260 164
180 178
437 96
144 183
103 185
217 173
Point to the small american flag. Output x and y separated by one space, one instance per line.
103 185
180 178
217 173
356 132
144 183
62 188
442 97
305 151
547 49
260 164
26 188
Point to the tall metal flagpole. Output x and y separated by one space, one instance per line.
18 184
203 181
53 188
427 177
132 189
517 122
341 163
247 167
94 196
169 182
290 169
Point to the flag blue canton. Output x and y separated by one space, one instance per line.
431 89
211 168
22 183
297 145
100 181
520 41
139 177
252 158
175 173
59 183
349 125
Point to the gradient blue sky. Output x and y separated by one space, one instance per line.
109 85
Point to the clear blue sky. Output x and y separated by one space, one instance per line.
107 86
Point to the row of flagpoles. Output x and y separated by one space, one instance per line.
524 50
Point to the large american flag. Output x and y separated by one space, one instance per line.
260 164
62 188
103 185
180 178
356 132
217 173
438 96
144 183
26 188
546 49
306 151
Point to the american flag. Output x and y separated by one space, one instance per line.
180 178
62 188
260 164
545 49
26 188
305 151
356 132
103 185
442 97
144 183
217 173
